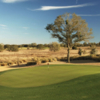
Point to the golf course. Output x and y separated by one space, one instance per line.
53 82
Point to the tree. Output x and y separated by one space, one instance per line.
1 47
74 47
13 48
80 51
85 44
54 46
69 29
40 46
33 44
6 46
93 50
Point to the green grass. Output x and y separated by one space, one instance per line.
59 82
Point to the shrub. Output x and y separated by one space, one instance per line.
28 48
6 46
74 47
38 62
54 46
54 59
31 63
84 52
14 61
58 58
44 60
80 51
10 63
3 64
50 60
63 59
21 61
40 46
24 60
13 48
93 51
1 48
34 59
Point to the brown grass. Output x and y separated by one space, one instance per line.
25 56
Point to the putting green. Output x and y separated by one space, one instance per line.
42 75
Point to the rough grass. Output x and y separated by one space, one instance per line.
59 82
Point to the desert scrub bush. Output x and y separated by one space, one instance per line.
73 58
94 57
13 48
24 60
80 51
34 59
28 48
44 60
14 61
63 59
10 63
38 62
93 46
31 63
84 52
1 48
54 59
93 51
20 61
74 47
54 46
40 46
50 60
58 58
3 64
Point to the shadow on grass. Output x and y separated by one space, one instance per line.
82 88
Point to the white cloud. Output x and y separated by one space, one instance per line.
12 1
88 15
26 28
2 25
61 7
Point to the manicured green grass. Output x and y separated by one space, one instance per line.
59 82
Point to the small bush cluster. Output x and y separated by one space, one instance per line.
44 60
54 46
40 46
39 60
84 52
3 64
93 51
74 47
13 48
1 48
80 51
31 63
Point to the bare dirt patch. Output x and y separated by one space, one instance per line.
5 68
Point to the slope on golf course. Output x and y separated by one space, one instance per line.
58 82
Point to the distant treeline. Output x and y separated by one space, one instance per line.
48 45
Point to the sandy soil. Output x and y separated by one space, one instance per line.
77 62
2 68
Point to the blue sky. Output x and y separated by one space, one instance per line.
24 21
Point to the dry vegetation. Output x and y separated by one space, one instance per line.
24 56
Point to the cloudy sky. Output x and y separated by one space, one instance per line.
24 21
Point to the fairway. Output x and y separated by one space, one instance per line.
58 82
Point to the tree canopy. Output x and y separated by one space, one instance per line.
69 29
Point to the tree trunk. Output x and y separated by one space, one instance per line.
68 54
